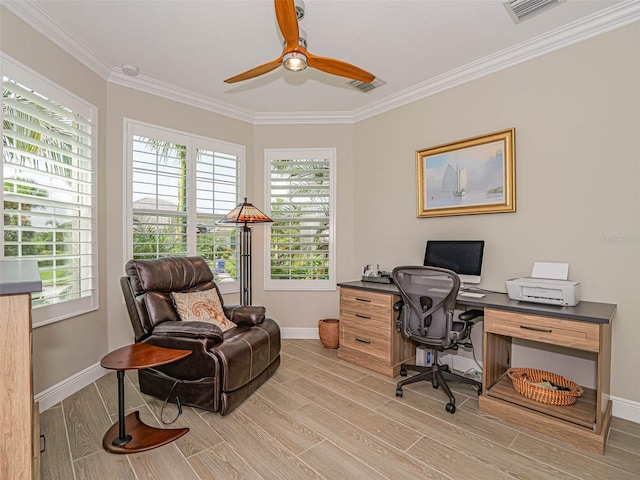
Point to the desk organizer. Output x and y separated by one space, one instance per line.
524 380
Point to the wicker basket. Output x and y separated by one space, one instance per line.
524 380
329 331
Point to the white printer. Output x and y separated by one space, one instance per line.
548 284
544 290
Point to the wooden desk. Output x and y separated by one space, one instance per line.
368 335
19 432
584 424
585 327
141 436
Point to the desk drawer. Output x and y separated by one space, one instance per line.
371 341
366 304
365 324
567 333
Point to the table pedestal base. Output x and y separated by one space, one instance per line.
143 437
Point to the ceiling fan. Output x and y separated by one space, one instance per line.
295 56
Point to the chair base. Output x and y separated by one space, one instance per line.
438 376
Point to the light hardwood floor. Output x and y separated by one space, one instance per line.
322 418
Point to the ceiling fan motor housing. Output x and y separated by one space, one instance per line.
299 4
302 39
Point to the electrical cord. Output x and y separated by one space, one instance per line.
166 400
473 352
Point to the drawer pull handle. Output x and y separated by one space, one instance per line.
361 316
363 300
362 341
536 329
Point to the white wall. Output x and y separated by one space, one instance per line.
577 118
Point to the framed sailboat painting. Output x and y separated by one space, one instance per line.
472 176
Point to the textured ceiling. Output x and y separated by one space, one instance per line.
189 47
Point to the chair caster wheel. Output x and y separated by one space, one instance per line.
403 372
451 408
399 392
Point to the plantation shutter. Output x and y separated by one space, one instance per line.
218 181
48 193
301 204
181 185
159 198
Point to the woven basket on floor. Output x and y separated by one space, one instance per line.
329 331
523 380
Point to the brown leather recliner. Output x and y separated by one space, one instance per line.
224 368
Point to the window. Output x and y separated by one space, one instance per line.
48 194
301 202
180 186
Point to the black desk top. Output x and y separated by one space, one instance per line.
593 312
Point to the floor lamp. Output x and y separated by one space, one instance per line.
245 213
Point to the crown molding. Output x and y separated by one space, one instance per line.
34 16
570 34
181 95
284 118
596 24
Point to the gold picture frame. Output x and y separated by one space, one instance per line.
472 176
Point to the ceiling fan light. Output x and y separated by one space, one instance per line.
294 61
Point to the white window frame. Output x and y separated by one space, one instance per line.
192 142
290 153
46 314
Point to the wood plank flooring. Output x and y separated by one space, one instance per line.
322 418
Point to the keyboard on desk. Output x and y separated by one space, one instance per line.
471 294
461 293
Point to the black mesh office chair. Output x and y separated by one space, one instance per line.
427 317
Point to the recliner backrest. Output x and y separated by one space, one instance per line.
148 285
429 296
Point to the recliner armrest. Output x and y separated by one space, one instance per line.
245 315
189 330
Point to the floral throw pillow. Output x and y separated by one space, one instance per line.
202 306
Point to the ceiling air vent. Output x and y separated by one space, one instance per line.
366 87
521 10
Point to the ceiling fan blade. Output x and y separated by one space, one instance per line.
256 72
288 22
338 67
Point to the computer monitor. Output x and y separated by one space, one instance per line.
464 257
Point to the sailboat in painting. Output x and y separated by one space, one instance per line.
455 180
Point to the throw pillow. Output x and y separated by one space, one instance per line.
204 306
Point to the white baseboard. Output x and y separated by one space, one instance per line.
626 409
292 333
68 387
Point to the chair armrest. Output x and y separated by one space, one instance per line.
189 330
398 307
470 315
245 315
